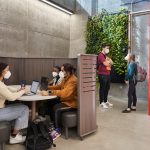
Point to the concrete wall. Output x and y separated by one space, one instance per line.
30 28
78 27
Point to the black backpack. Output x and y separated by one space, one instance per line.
38 137
97 63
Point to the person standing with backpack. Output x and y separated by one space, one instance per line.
132 80
104 64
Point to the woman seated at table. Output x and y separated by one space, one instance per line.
19 112
66 91
57 76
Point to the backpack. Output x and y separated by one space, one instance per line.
141 73
38 137
98 63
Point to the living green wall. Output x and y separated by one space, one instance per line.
112 29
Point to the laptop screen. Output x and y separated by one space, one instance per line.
44 83
34 86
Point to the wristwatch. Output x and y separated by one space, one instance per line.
49 92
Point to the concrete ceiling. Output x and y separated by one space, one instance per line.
67 4
126 2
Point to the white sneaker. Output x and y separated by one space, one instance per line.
17 139
109 104
104 105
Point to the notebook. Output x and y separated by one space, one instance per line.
34 87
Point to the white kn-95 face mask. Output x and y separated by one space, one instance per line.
61 74
54 74
7 75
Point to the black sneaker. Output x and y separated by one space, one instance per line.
126 111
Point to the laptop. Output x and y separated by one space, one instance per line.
34 87
44 83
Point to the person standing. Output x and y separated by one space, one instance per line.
104 68
131 80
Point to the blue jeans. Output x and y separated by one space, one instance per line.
17 112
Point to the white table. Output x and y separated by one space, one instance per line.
33 99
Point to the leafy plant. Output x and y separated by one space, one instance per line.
113 29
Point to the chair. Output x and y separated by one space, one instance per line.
59 111
4 133
69 119
65 116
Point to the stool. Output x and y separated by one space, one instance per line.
69 119
4 133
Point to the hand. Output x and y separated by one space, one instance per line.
25 89
110 60
44 93
22 88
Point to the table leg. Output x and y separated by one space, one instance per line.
33 111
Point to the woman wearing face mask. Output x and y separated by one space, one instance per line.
66 91
19 113
131 79
57 76
104 68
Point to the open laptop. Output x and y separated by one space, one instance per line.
34 87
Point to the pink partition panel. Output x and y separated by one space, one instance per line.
149 73
86 94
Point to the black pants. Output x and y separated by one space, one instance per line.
47 108
104 81
132 94
53 109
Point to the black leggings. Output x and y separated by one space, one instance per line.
53 109
47 108
132 94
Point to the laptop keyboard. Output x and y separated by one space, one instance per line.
29 94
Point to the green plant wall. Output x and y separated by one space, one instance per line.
112 29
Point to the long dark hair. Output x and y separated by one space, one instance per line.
2 67
57 67
69 68
132 57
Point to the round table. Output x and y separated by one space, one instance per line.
33 98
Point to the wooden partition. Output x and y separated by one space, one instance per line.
86 94
33 68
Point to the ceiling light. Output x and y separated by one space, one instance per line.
56 6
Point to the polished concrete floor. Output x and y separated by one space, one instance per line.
116 131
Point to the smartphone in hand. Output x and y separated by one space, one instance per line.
23 83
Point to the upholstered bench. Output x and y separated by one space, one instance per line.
4 133
69 119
